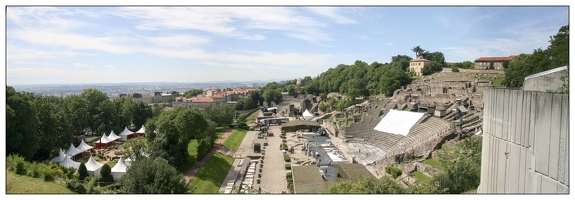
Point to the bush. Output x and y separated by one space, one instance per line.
288 176
393 171
287 158
106 174
82 172
33 170
288 166
76 186
21 168
48 174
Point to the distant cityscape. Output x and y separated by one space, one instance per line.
113 90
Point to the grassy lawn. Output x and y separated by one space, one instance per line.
192 158
422 177
497 81
252 117
434 163
235 139
18 184
211 176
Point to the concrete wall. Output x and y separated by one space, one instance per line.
525 142
550 81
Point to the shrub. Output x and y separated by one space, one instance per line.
33 170
12 162
76 186
287 158
288 175
48 174
106 174
21 168
393 171
82 172
288 166
284 141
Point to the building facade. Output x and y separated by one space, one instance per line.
485 62
416 65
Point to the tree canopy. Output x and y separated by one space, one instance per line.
556 55
153 176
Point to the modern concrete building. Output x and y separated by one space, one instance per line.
416 65
525 142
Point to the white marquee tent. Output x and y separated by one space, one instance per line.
112 136
307 115
124 134
60 158
93 167
72 151
84 147
68 162
119 169
142 130
398 122
103 141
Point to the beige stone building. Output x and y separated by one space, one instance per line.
416 65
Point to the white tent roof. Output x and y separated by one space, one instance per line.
72 151
307 115
126 131
398 122
60 158
68 162
120 166
113 136
92 165
104 140
84 147
142 130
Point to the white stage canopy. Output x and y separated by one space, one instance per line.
72 151
124 134
84 147
398 122
112 136
307 115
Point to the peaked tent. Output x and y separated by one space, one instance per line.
141 131
119 169
112 136
72 151
103 141
84 147
68 162
60 158
93 167
126 134
307 115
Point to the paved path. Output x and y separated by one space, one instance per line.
196 167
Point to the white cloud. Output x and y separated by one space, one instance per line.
333 14
18 53
71 41
178 40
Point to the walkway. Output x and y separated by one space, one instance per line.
198 165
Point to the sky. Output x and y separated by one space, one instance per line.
121 44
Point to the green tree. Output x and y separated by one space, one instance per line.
53 131
94 99
153 176
559 48
174 130
463 168
21 125
193 92
76 114
106 173
418 51
142 113
239 105
82 171
454 69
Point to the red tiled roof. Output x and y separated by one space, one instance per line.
418 59
484 59
202 100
